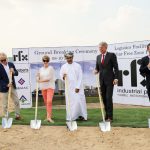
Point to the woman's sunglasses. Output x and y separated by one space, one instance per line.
45 60
4 60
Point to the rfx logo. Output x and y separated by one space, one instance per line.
133 71
20 56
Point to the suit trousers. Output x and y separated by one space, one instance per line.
148 91
107 93
15 99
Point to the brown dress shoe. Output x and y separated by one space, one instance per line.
18 118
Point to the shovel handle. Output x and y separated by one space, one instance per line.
9 92
100 97
67 94
36 103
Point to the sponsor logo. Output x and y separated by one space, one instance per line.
20 56
21 81
23 70
23 99
132 72
22 88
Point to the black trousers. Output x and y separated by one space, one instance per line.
107 93
148 91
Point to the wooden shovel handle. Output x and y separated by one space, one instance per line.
67 94
100 97
9 91
36 103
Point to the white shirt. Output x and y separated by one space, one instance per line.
47 74
75 102
74 73
6 67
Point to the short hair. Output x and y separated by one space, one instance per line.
148 45
103 44
3 56
68 54
46 57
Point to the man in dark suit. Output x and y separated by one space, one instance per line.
145 69
5 69
107 67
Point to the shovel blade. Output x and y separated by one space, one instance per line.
35 124
7 122
71 125
149 122
105 126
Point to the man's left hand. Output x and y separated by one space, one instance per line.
115 82
12 70
77 90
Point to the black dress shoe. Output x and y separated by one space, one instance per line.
106 118
109 120
80 119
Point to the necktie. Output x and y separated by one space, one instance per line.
102 59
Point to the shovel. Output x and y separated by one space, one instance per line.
36 124
7 122
149 122
104 126
71 125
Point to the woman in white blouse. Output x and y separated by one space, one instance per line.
46 78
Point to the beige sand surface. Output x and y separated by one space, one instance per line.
85 138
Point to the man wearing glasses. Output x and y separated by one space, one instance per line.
145 69
73 72
5 69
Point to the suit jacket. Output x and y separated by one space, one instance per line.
4 80
109 70
145 72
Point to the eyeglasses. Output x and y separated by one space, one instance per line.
4 60
45 60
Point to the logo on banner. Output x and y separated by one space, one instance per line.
133 74
21 56
21 88
21 81
23 70
23 99
132 90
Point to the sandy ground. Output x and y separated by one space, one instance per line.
85 138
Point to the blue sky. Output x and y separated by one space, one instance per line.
46 23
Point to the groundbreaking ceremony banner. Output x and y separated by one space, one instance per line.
130 90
